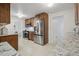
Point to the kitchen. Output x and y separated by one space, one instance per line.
29 28
36 28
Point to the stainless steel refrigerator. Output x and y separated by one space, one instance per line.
39 31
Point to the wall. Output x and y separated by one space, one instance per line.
69 22
19 26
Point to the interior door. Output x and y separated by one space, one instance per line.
58 29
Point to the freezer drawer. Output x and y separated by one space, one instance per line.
39 39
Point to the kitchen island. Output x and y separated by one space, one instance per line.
12 39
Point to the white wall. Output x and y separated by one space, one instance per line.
19 26
69 22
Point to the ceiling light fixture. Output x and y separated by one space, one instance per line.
20 15
50 4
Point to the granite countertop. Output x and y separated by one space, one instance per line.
9 34
7 50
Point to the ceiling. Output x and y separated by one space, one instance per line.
31 9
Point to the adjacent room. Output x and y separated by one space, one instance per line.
39 29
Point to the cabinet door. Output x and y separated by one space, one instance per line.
4 13
11 39
32 21
45 17
27 21
31 36
77 14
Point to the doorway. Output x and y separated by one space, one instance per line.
58 29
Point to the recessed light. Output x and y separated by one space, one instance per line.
50 4
20 15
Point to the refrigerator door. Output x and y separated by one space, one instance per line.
39 39
39 28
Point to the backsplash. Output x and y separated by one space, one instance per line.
3 30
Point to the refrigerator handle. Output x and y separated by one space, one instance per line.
35 28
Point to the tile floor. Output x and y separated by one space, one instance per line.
29 48
70 47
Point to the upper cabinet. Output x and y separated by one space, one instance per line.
5 13
40 16
29 21
76 13
32 21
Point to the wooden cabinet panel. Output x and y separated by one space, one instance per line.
27 21
31 36
76 13
5 13
32 21
11 39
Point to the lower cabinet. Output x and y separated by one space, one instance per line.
11 39
31 36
